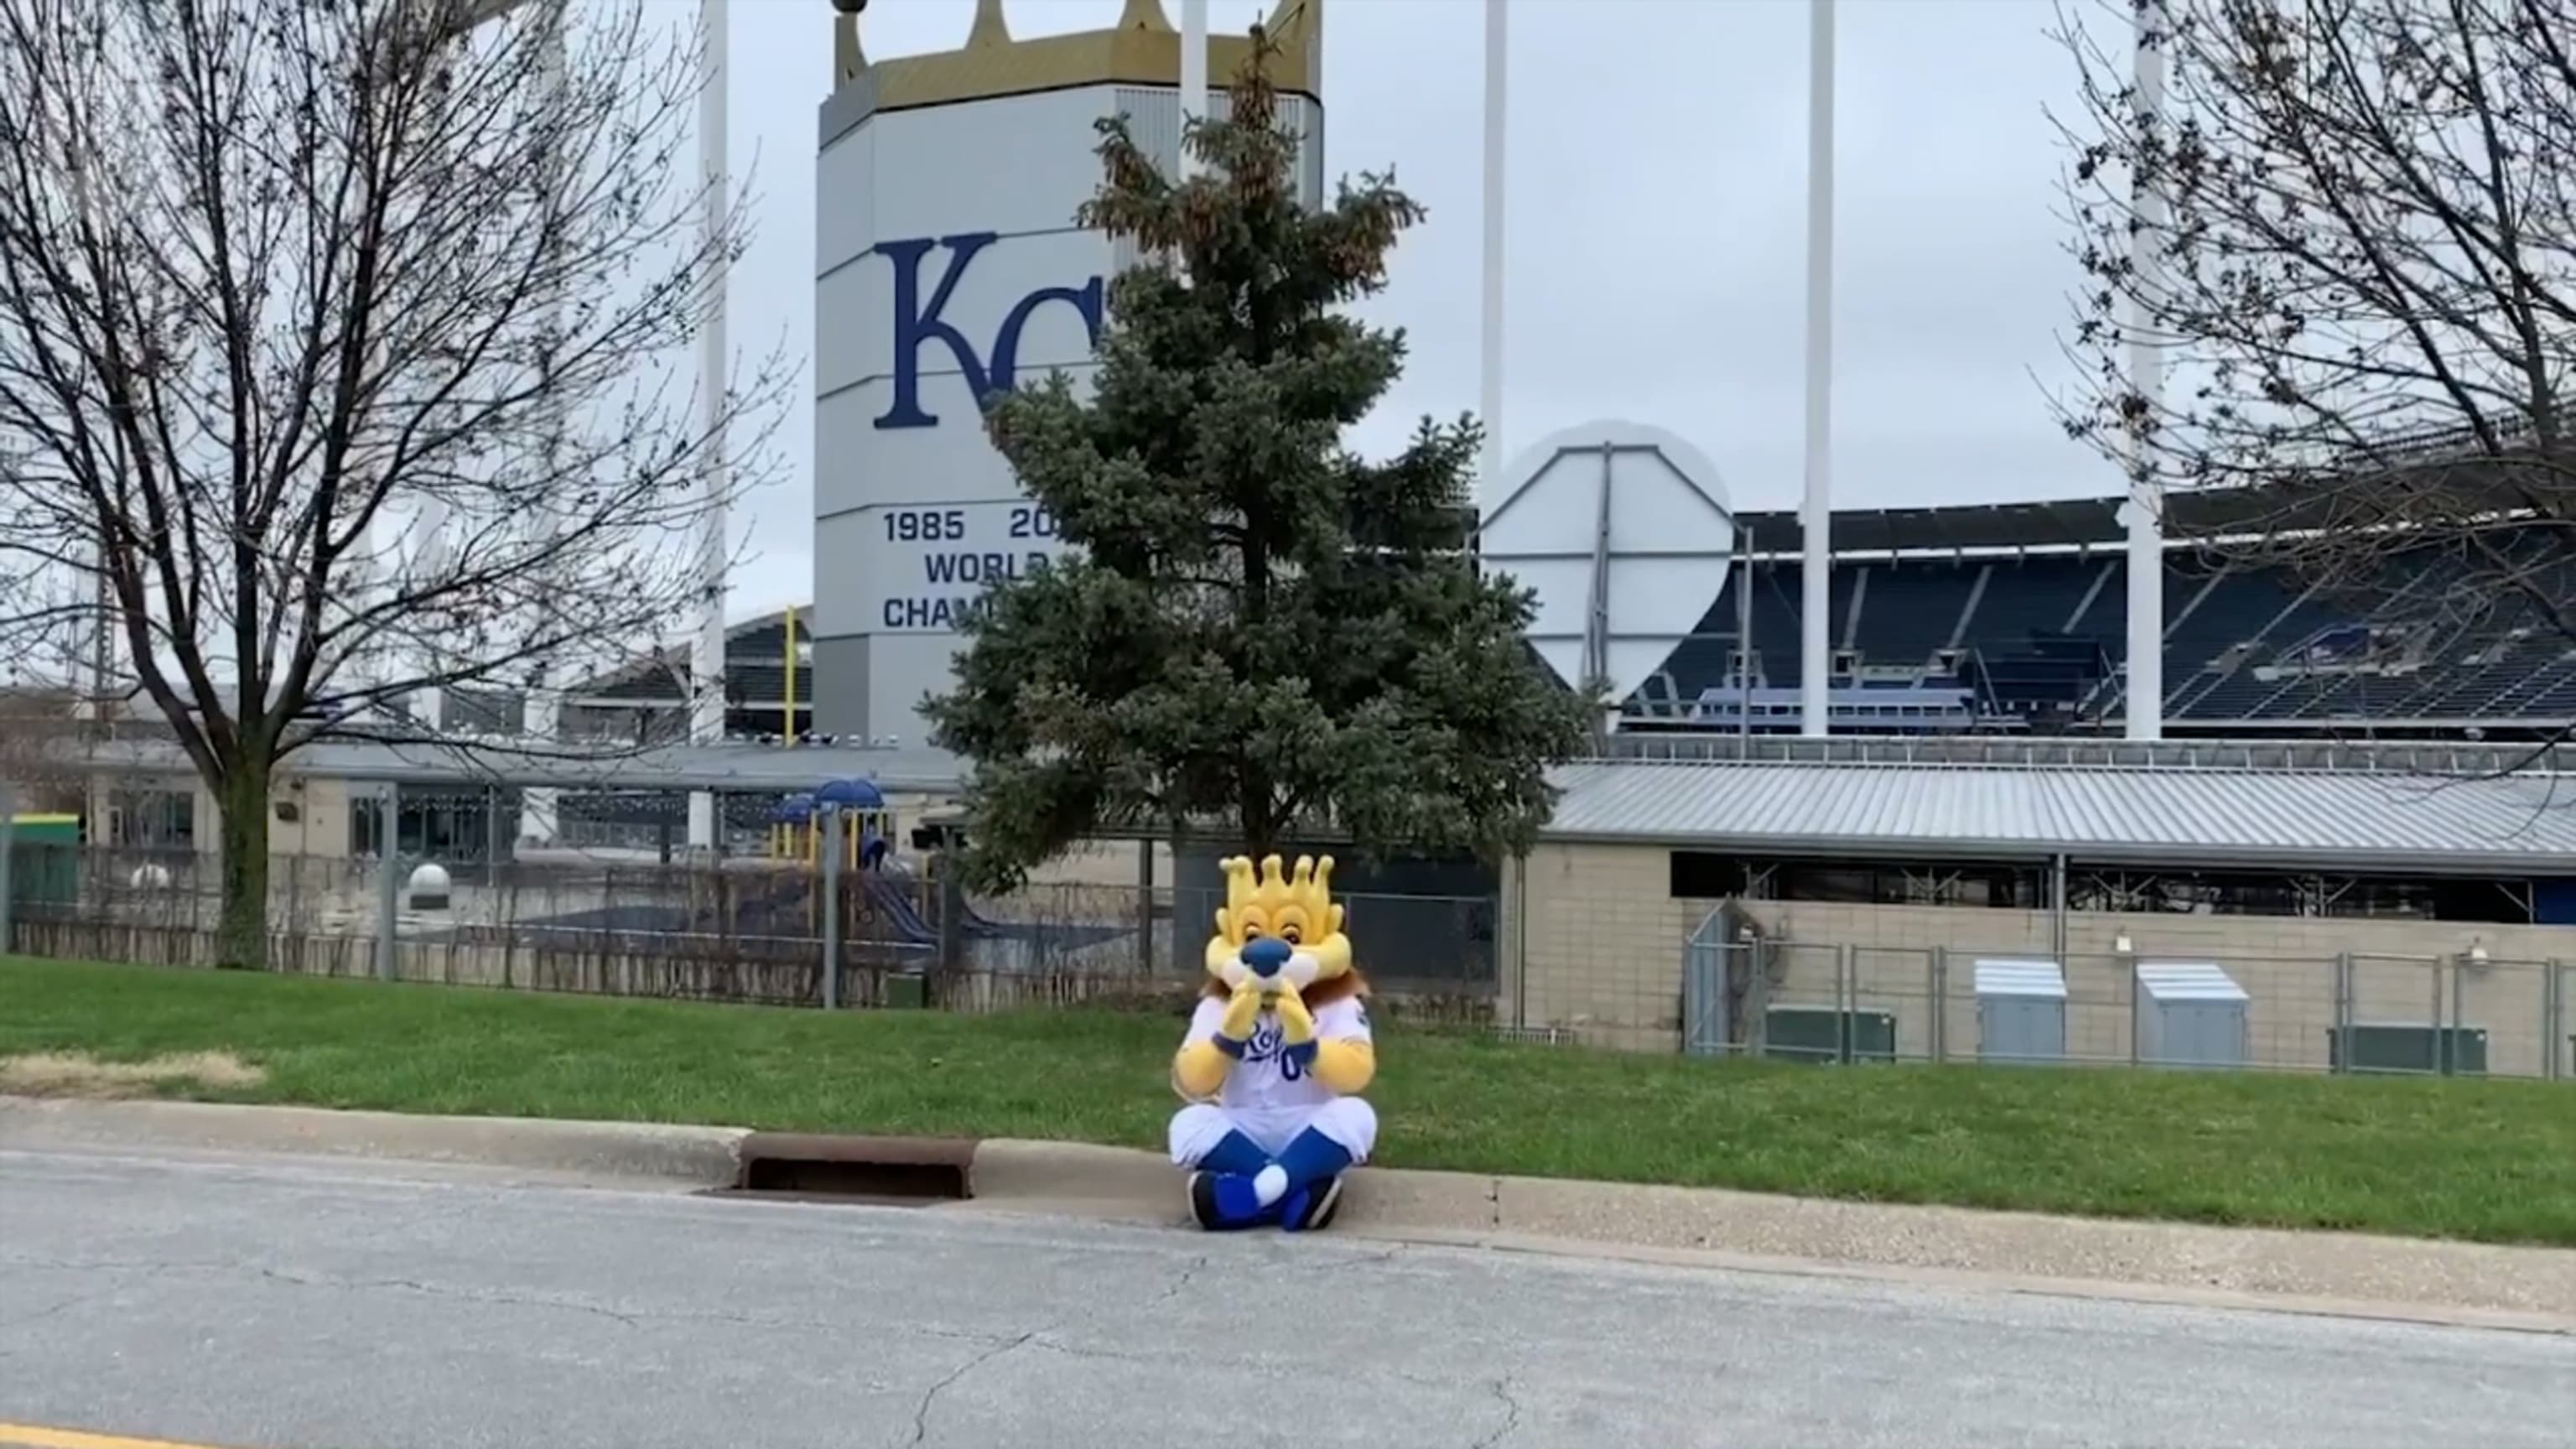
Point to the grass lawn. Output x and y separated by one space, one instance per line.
2464 1158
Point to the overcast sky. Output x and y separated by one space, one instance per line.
1656 243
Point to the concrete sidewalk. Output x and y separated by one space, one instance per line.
2340 1273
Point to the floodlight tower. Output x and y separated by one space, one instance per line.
537 820
2144 711
537 810
1816 510
1489 399
707 656
1194 77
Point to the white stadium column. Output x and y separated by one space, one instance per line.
1815 514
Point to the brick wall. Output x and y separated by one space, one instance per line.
1597 944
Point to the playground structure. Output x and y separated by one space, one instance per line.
890 902
868 823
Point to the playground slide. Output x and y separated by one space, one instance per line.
971 919
891 895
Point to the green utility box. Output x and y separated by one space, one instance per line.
1822 1034
44 861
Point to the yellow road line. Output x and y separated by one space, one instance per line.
30 1436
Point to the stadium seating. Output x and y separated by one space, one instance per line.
2017 610
2038 638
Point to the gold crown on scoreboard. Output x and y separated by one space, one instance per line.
1143 48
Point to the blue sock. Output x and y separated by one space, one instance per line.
1235 1156
1312 1158
1231 1165
1238 1202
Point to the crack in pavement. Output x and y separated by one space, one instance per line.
10 1325
930 1396
1501 1388
629 1319
1039 1336
461 1295
1180 1284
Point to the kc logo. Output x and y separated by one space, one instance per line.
916 324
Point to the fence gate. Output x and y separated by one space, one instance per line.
1717 975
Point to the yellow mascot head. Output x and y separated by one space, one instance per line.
1271 908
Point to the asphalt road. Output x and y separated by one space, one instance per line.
275 1305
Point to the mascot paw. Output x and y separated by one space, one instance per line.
1311 1208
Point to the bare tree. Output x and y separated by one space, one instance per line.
2350 234
284 282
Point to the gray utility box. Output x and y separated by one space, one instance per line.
2189 1013
2021 1011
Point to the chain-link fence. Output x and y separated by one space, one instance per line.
745 928
756 928
2462 1015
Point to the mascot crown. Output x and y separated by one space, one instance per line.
1296 905
1291 904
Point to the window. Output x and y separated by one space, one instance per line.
367 827
1715 875
153 819
1699 875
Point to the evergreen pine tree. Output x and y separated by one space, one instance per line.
1253 625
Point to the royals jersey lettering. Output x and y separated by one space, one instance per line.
1266 1078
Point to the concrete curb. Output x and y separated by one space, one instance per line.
2346 1275
1964 1280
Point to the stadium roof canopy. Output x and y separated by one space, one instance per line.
2198 817
2051 524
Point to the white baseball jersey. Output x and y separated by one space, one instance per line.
1264 1079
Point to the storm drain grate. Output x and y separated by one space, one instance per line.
856 1169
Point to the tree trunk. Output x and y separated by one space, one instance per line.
241 934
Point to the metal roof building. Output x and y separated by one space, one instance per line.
2208 816
745 768
2439 809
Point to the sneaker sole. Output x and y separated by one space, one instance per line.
1202 1214
1319 1213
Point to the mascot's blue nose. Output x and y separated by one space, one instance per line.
1265 955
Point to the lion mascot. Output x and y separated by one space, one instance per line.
1276 1056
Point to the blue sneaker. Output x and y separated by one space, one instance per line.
1310 1209
1222 1202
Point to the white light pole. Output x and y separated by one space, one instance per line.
537 817
707 659
1815 513
1194 77
1489 400
2144 709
